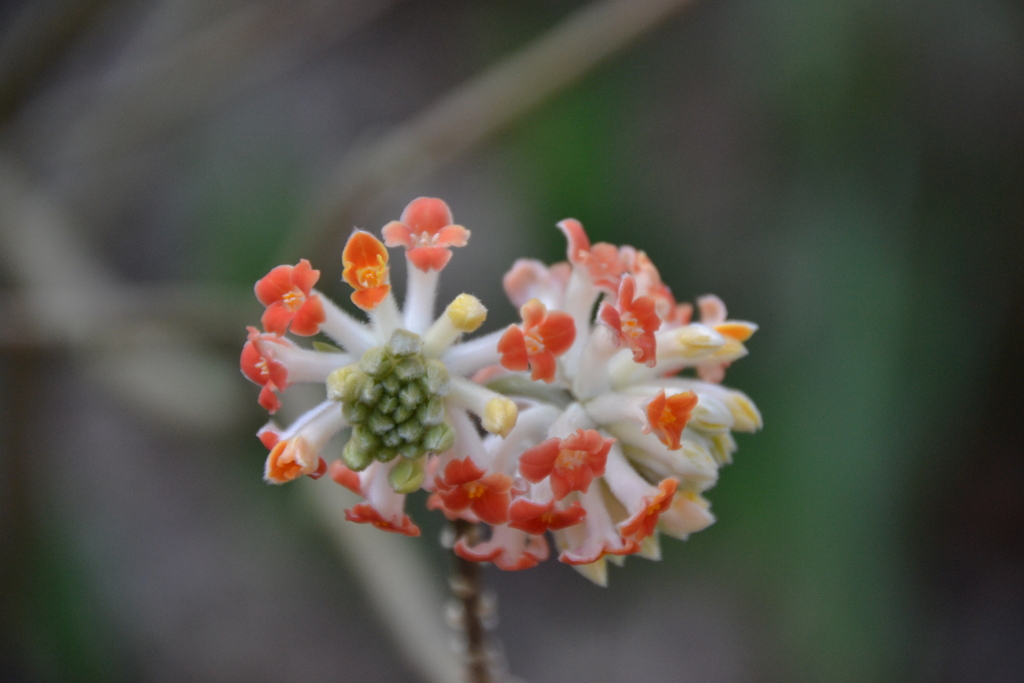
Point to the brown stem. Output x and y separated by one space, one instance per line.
466 586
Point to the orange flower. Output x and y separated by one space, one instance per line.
364 513
594 551
536 518
635 321
544 336
641 525
285 291
290 459
366 269
426 231
464 485
648 280
571 463
259 366
667 417
508 549
601 260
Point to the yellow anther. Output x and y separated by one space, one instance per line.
293 300
466 313
500 415
569 460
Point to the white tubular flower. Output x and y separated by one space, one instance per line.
388 382
567 422
632 447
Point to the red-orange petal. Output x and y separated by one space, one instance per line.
543 366
579 243
398 234
492 506
364 513
346 477
452 236
667 416
249 363
532 313
537 462
429 258
268 436
463 550
557 331
369 299
304 277
458 472
435 502
512 348
276 318
321 469
427 214
268 400
309 317
536 518
274 285
641 525
574 558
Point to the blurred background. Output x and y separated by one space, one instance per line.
847 173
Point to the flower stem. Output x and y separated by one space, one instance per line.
466 586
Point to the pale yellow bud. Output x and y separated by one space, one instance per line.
500 415
466 313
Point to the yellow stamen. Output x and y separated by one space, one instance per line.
533 344
373 276
569 460
293 300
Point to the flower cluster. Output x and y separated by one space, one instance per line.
566 423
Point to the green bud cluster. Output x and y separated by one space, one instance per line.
393 398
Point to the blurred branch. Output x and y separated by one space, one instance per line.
71 298
34 41
392 572
217 312
474 111
253 45
38 247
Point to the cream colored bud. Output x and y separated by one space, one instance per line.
746 416
500 415
466 313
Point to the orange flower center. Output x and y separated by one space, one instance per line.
284 466
373 275
261 365
534 344
475 489
667 418
569 460
631 326
293 300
